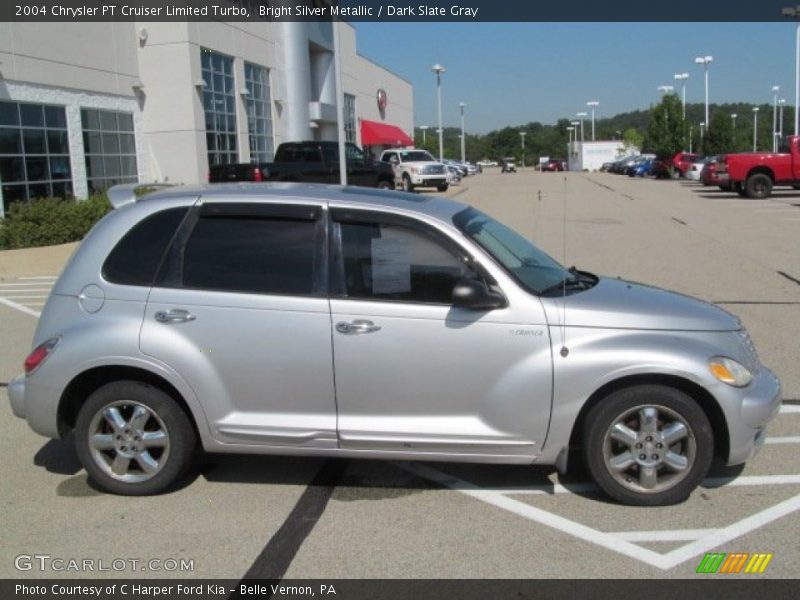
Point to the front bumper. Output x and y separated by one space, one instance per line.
760 403
16 395
429 180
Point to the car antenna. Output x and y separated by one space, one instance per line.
564 348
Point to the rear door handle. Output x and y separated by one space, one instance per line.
174 315
356 327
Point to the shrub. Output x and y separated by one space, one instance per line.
49 221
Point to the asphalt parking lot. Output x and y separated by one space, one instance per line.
313 518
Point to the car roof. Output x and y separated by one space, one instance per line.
361 197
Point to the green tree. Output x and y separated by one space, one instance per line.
632 138
719 138
666 131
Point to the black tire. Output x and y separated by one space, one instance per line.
165 415
383 184
407 185
758 186
739 189
443 187
674 412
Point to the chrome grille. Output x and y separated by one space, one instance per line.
433 170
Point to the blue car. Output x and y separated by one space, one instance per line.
642 169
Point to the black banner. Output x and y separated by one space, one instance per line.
704 587
425 11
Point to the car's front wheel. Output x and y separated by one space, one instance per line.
133 439
648 445
407 185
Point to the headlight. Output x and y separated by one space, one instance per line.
415 170
729 371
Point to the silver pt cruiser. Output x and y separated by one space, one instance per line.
320 320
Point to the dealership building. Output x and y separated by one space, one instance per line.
87 105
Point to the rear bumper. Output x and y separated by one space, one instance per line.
16 395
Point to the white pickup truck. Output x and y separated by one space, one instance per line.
416 168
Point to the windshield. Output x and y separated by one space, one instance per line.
417 156
531 267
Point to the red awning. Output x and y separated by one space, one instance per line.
381 134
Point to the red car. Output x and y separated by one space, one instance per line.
709 176
682 161
753 174
553 165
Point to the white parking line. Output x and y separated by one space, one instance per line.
16 297
668 535
28 285
620 543
50 277
20 307
790 408
788 439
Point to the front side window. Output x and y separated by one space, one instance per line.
354 154
34 152
219 104
531 267
249 254
383 261
417 156
110 147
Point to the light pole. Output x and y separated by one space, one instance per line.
593 104
691 130
581 115
702 131
522 135
705 61
682 77
775 90
439 69
794 12
619 134
424 128
463 149
781 104
755 128
569 133
733 119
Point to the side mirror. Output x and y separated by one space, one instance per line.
476 295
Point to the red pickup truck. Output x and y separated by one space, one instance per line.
754 174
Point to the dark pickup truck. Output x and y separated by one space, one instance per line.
311 162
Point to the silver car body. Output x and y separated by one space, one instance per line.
272 374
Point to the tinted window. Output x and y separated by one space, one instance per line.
264 255
135 259
391 262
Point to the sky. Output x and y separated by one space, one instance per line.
515 73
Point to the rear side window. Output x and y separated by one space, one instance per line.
136 257
265 255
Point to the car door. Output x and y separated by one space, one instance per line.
360 171
240 311
415 373
393 159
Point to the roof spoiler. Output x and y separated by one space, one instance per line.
125 193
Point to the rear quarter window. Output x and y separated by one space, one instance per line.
136 257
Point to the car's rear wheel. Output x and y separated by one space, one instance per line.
385 185
648 445
133 439
442 188
407 185
758 186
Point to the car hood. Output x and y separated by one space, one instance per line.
620 304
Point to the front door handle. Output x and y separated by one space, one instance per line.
174 315
357 326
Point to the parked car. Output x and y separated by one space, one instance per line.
296 319
642 169
682 162
708 176
695 168
754 174
453 175
311 162
415 168
553 165
462 169
487 163
508 165
630 167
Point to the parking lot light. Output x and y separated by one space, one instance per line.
522 135
733 118
593 104
755 128
793 12
581 115
705 61
439 69
463 149
682 77
424 128
781 104
775 90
